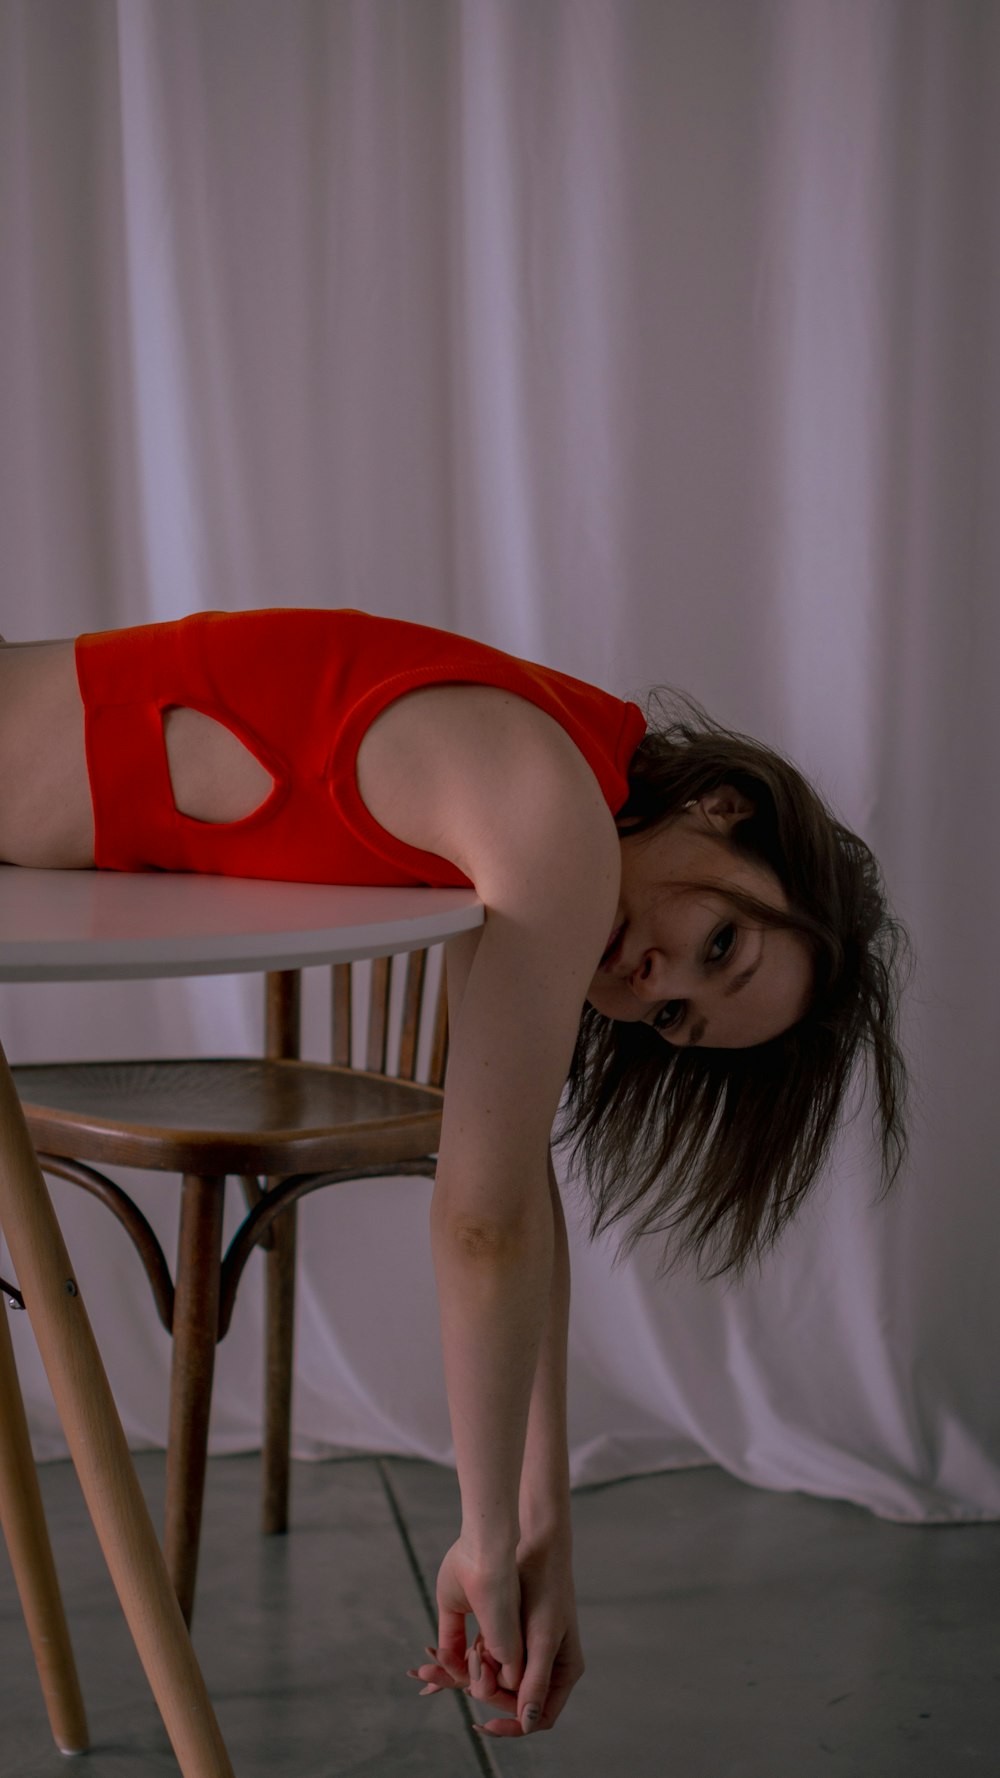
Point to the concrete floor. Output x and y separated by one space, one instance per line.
728 1633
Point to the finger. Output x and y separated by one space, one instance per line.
556 1701
432 1673
500 1726
480 1677
535 1690
486 1687
507 1671
450 1651
483 1676
510 1666
434 1678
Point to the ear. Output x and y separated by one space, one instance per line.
723 808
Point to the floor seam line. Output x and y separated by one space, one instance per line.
484 1763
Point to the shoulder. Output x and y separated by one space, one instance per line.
491 782
528 823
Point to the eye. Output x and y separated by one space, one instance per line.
667 1019
729 934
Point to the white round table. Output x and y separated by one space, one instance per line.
61 926
93 925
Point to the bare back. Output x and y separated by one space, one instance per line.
46 816
45 810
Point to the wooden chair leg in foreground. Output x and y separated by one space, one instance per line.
97 1445
27 1539
280 1333
195 1330
282 1041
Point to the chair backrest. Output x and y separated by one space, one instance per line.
411 1015
402 1024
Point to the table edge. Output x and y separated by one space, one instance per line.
124 959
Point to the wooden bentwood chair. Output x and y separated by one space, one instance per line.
282 1126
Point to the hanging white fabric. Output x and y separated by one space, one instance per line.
653 341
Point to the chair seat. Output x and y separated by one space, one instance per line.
231 1115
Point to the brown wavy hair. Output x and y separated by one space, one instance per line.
718 1148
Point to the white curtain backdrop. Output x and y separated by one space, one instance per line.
652 339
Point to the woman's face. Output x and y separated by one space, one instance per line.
685 960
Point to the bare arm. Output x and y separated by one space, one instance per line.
541 1598
498 787
544 1499
492 1220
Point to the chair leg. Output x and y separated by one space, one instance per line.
27 1539
282 1039
279 1338
195 1331
97 1445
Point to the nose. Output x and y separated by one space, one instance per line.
660 978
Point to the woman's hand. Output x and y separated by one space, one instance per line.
554 1660
490 1591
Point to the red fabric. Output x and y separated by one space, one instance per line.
299 689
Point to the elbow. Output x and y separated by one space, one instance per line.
481 1239
491 1240
476 1239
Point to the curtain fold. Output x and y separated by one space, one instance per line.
652 339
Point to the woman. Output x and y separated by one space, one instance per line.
676 925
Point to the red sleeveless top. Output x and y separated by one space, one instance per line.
299 688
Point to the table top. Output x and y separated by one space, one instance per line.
68 925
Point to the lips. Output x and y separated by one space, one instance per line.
614 949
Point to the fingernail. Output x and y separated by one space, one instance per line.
529 1717
427 1690
475 1667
